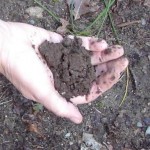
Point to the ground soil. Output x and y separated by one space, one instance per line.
71 66
22 127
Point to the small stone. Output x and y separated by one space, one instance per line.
144 110
147 131
67 135
35 11
89 104
147 121
143 21
70 143
91 142
139 125
32 22
147 43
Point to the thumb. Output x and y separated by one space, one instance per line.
59 106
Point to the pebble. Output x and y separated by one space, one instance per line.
147 43
147 121
35 11
70 143
144 110
143 21
67 135
32 22
147 131
89 141
139 125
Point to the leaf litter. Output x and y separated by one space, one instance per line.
81 7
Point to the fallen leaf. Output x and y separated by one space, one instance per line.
62 29
34 128
81 7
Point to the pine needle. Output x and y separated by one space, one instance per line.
108 6
126 88
50 12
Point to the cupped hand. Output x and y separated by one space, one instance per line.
23 65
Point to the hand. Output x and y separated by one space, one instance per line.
23 65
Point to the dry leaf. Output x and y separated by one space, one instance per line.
81 7
34 128
62 29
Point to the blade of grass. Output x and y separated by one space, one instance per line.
92 24
98 18
112 24
108 6
71 16
50 12
126 88
113 28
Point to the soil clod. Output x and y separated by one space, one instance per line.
71 66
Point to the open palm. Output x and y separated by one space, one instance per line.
23 65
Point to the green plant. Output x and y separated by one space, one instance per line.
49 12
38 107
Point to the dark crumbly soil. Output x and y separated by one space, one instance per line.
71 66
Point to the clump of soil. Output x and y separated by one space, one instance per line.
71 66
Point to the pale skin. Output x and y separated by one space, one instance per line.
23 66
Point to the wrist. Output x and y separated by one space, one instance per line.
3 31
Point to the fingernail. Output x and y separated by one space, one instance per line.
76 120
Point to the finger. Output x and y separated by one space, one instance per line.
34 34
110 53
106 78
59 106
92 43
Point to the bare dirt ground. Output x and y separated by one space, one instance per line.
26 126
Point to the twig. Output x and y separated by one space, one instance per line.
3 93
128 23
97 110
5 102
